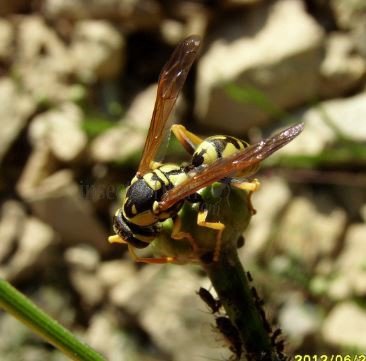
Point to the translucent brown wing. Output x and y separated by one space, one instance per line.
225 167
171 81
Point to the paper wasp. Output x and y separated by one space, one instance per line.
158 190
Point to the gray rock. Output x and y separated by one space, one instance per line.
299 319
345 326
6 39
161 297
60 129
33 251
342 68
255 65
348 13
83 262
82 257
43 62
261 225
104 46
310 228
348 271
133 14
111 273
11 226
126 139
57 199
359 36
346 115
16 108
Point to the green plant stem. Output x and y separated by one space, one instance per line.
15 303
232 286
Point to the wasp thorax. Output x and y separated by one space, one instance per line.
215 147
141 205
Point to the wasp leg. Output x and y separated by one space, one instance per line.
201 221
152 260
178 234
116 239
250 187
188 140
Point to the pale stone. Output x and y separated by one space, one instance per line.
271 198
112 272
347 115
16 107
161 296
6 39
310 228
345 326
349 268
132 14
104 47
298 318
129 136
260 59
61 130
348 12
87 286
32 252
11 226
342 68
83 257
57 199
43 63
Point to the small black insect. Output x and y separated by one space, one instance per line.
231 335
206 296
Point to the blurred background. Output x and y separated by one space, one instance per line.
77 88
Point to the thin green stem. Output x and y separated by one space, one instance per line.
15 303
242 306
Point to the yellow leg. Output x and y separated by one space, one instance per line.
117 239
201 221
250 187
188 140
151 260
178 234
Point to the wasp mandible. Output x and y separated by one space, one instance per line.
158 190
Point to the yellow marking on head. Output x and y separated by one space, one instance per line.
134 209
134 179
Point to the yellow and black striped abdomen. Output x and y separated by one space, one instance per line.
216 147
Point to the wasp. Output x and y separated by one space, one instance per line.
159 190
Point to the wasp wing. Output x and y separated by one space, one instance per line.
225 167
171 81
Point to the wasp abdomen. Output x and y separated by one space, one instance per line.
215 147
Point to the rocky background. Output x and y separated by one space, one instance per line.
77 86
